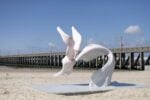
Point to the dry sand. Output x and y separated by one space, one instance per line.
15 84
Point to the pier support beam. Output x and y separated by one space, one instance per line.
131 60
142 61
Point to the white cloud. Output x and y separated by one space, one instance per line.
52 45
133 29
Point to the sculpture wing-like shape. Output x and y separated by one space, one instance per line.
91 51
77 39
68 61
65 37
101 77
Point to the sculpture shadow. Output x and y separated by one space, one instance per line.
84 93
115 84
120 84
83 88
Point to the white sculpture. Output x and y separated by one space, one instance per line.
101 77
73 46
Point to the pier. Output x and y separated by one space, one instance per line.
135 58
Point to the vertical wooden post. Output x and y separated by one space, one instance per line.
131 60
142 61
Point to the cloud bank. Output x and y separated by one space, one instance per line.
133 29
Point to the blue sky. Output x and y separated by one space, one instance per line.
30 25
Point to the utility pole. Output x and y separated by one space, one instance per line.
121 49
8 53
0 52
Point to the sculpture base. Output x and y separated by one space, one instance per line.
72 89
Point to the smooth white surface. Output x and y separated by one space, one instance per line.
71 89
73 46
77 39
66 69
101 77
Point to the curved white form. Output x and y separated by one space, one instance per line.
101 77
73 46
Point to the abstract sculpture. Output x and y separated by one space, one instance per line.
101 77
100 80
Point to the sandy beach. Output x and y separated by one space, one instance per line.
16 84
